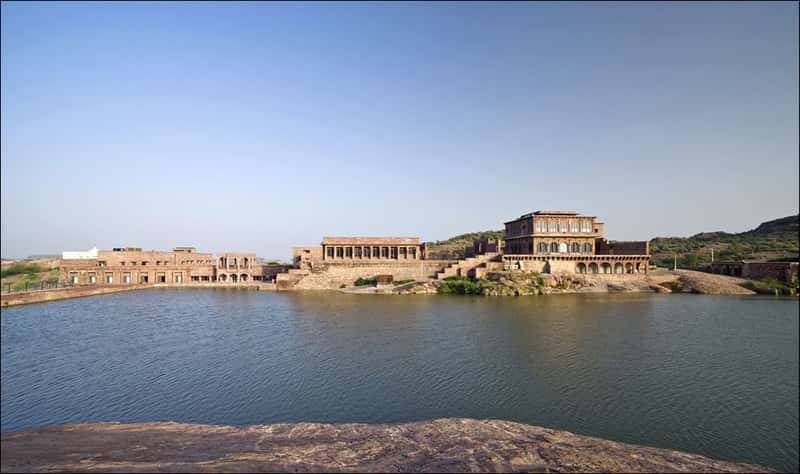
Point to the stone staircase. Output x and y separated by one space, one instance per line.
467 266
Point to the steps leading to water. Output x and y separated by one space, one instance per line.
463 267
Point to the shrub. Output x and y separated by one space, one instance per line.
365 281
463 286
20 267
342 286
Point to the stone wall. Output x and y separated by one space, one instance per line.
332 276
604 247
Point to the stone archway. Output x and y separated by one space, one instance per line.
606 267
222 277
581 267
628 268
593 267
243 277
618 268
546 268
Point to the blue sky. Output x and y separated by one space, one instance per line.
258 126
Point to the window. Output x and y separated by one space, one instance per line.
123 263
92 279
330 251
554 247
540 226
573 226
126 278
101 263
542 247
413 252
563 226
109 279
403 252
348 252
394 253
384 252
143 263
339 252
587 247
576 247
563 247
553 227
367 252
587 226
376 252
358 252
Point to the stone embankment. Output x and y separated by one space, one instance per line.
442 445
523 284
43 296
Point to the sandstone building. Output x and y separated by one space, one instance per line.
550 241
182 265
541 241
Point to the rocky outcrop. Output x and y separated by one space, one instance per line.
712 284
443 445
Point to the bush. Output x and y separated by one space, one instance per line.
342 286
20 267
365 281
463 286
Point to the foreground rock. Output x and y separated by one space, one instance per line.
444 445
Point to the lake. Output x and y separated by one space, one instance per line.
715 375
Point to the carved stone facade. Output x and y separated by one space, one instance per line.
182 265
548 241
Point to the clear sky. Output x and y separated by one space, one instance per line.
258 126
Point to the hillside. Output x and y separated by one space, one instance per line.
453 248
771 240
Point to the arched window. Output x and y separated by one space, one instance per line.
576 247
554 247
573 226
553 227
563 247
542 247
581 267
562 226
587 247
587 226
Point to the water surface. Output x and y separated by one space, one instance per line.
712 375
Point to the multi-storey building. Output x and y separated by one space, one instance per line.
567 241
131 265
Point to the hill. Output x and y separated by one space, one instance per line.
453 248
772 240
777 239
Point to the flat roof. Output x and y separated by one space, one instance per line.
370 241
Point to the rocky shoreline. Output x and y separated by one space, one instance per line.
442 445
525 284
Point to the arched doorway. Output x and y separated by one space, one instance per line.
546 268
243 277
223 278
618 268
628 268
592 267
581 267
606 267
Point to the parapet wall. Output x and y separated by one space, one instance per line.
604 247
332 276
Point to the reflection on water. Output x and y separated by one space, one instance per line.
713 375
